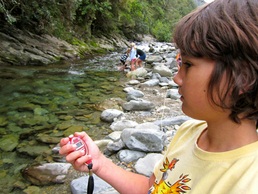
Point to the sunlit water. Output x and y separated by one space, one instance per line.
36 100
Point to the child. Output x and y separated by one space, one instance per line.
132 56
217 79
123 59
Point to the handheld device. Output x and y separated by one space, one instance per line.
80 145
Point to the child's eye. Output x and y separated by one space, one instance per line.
187 64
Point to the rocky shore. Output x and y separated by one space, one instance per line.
142 127
23 48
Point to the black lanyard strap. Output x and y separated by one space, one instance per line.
90 187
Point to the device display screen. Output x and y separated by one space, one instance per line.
79 144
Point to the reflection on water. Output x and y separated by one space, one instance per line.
46 101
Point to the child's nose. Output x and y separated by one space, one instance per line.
178 79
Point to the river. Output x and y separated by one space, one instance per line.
37 100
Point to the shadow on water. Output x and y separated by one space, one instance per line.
48 101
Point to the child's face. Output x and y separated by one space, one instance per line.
192 78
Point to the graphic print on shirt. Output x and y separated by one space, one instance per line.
164 186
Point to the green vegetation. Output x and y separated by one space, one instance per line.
85 19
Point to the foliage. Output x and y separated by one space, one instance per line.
86 18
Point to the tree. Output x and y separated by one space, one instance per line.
86 18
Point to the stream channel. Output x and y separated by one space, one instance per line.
41 101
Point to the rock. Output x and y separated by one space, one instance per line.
25 48
135 93
3 121
109 115
173 94
79 186
33 121
120 125
138 105
114 136
33 150
73 129
128 89
148 125
111 103
130 97
103 143
46 138
116 146
153 58
155 76
40 111
9 142
172 84
164 80
133 82
45 174
140 72
128 156
144 139
162 70
172 121
146 165
150 83
32 190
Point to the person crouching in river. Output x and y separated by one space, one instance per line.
123 59
141 57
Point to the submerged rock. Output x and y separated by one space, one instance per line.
45 174
9 142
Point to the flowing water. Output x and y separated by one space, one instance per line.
46 100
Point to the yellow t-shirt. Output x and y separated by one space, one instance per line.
186 168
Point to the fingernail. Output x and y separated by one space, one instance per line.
82 151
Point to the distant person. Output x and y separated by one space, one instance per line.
141 56
132 56
123 59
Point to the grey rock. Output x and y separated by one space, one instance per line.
122 124
109 115
143 139
172 121
79 186
128 156
141 105
146 165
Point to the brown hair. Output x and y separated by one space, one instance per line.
226 31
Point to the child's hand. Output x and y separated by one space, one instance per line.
78 158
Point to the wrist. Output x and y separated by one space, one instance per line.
102 165
98 163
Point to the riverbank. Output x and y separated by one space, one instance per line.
21 48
